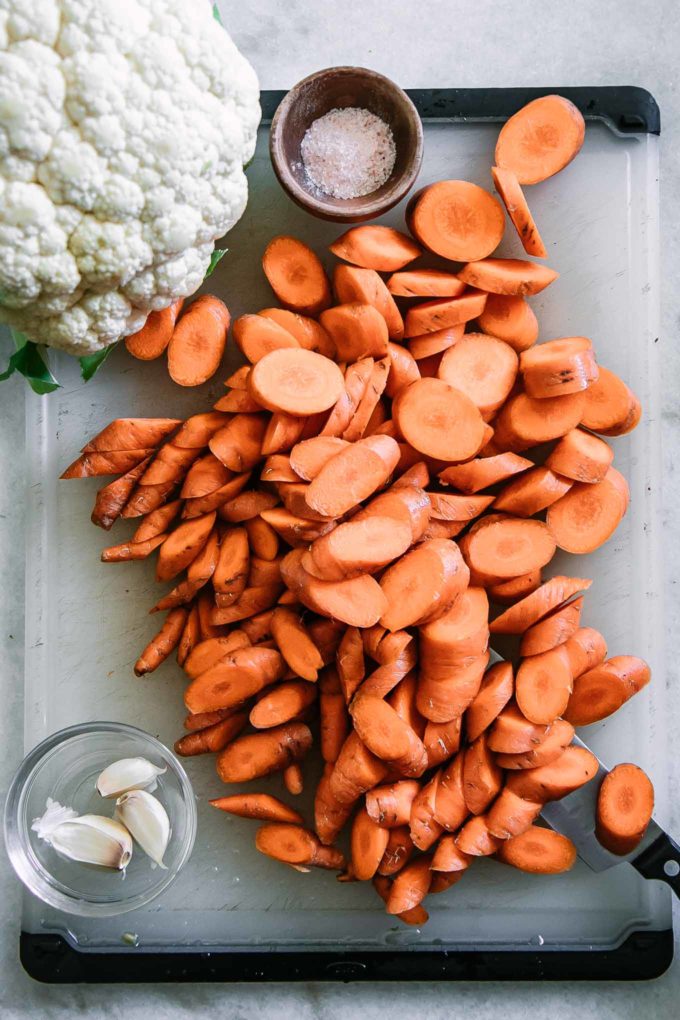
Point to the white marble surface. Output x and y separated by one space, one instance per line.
429 43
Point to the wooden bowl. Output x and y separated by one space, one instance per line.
333 88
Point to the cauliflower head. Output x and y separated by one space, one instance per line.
124 129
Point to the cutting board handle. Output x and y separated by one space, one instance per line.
662 861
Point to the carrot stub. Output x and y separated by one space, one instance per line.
625 804
160 646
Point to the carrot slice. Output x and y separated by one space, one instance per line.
282 433
538 851
375 247
507 276
575 767
536 490
308 457
398 851
611 408
114 462
358 547
508 592
482 778
534 607
403 503
365 286
297 846
475 839
422 584
357 329
543 685
483 368
204 504
586 649
438 420
390 806
605 688
350 662
448 858
513 733
557 367
370 400
182 546
456 219
240 675
495 692
416 476
581 456
295 644
211 738
163 643
152 339
589 514
509 547
512 196
191 635
277 468
358 601
443 313
425 283
237 402
525 421
356 771
510 318
552 630
625 804
558 738
296 382
352 475
441 740
368 843
284 702
541 139
111 499
198 341
296 276
257 335
261 806
239 443
424 829
423 347
483 472
403 369
206 475
249 602
295 531
201 720
445 507
510 815
411 885
334 718
308 332
208 653
387 736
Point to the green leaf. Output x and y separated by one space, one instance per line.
218 254
28 361
216 14
90 363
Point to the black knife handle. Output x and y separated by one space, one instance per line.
661 860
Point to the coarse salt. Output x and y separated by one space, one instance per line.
348 153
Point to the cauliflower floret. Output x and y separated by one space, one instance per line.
124 129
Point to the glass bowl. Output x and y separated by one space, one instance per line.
65 767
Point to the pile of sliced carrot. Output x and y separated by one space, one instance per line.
307 524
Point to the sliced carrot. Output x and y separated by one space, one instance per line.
182 546
198 341
586 649
157 522
524 421
575 767
538 851
403 503
543 685
206 475
508 592
358 601
513 733
297 846
611 408
507 276
625 804
483 472
438 420
125 434
475 840
355 771
483 368
296 276
353 475
370 400
204 504
258 627
308 332
211 738
111 499
403 369
356 381
423 584
415 916
196 431
262 572
509 547
231 572
417 476
163 643
441 740
508 187
239 443
205 605
603 689
308 457
429 366
462 631
425 283
410 886
436 342
552 630
375 247
588 515
152 339
495 692
368 843
390 806
295 644
282 433
534 491
350 662
357 329
285 701
258 754
581 456
247 506
199 572
390 673
541 139
334 721
191 635
235 678
114 462
295 531
199 721
456 219
557 367
359 547
403 701
457 508
424 829
238 380
482 778
277 468
296 381
257 335
208 653
510 318
442 698
329 814
352 284
510 815
399 850
261 806
443 313
557 740
448 858
250 602
387 736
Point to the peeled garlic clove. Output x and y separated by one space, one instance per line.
127 774
93 839
146 818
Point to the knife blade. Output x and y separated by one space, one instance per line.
656 856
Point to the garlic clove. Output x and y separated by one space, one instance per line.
147 820
127 774
93 839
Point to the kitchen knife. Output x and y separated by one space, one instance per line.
656 856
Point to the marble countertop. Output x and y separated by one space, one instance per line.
431 43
